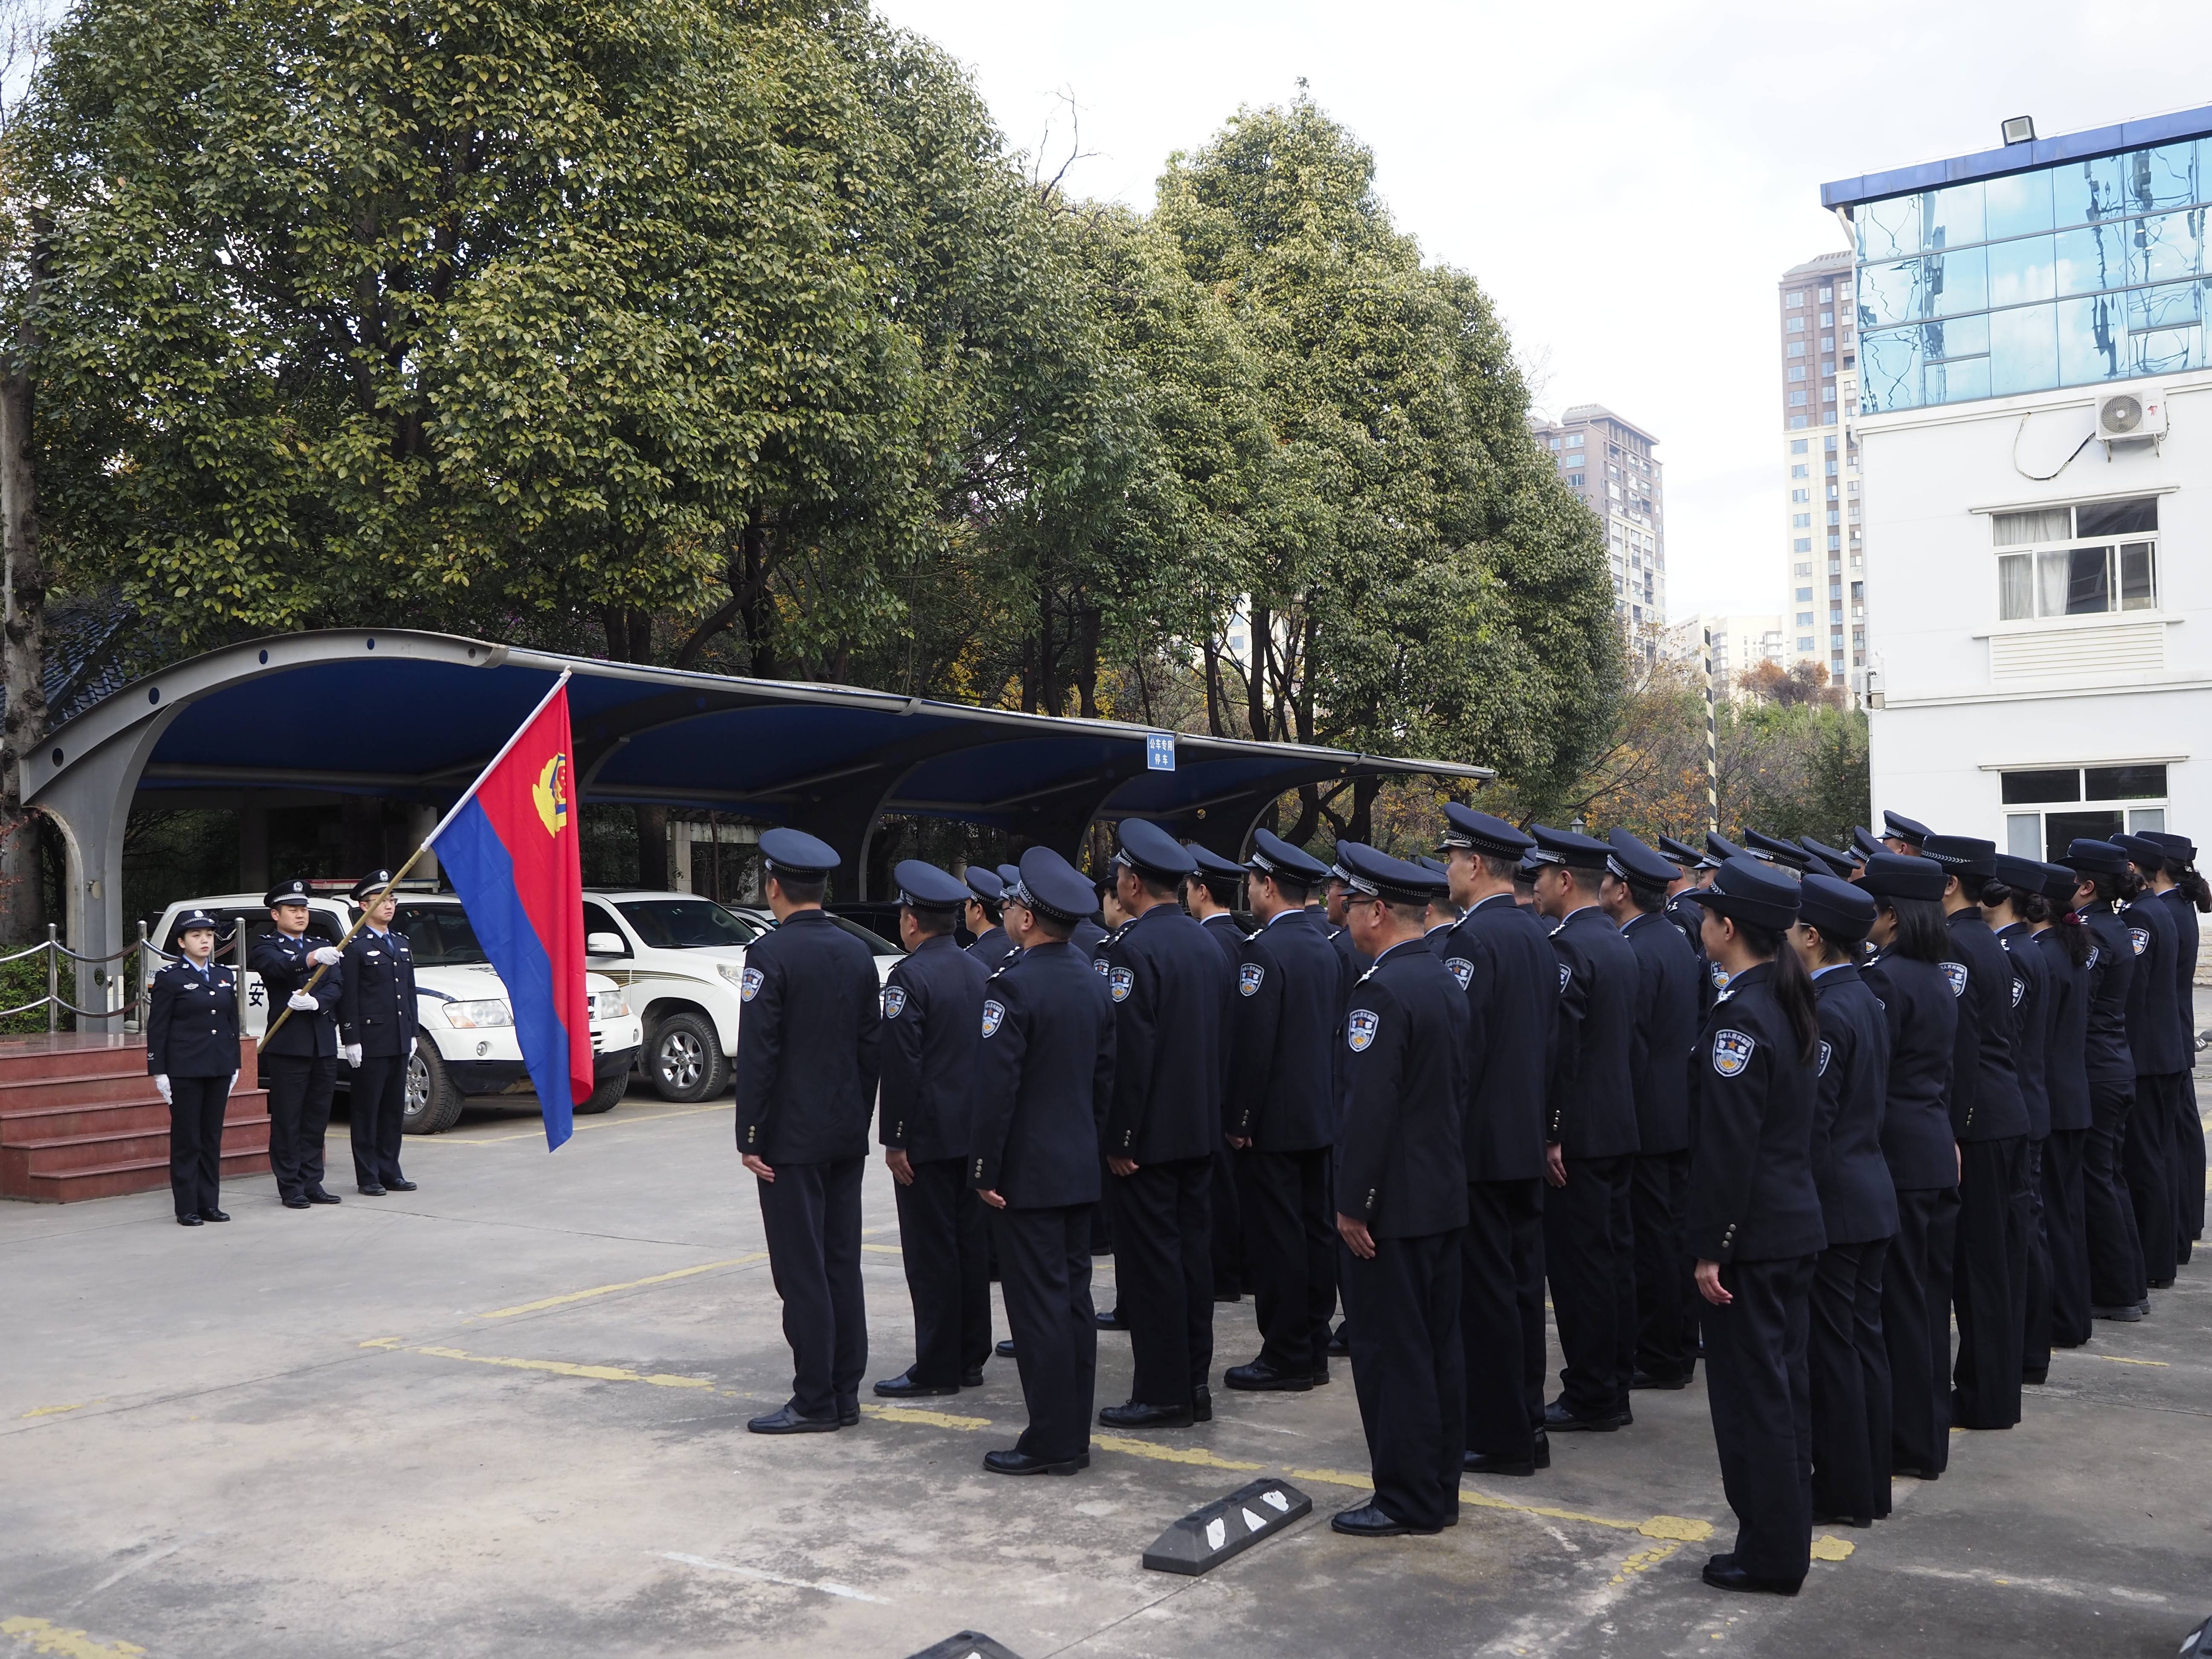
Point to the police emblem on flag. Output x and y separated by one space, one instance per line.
1732 1052
894 1001
994 1016
1956 973
748 984
2018 990
2141 937
1119 981
1462 969
1821 1070
1248 977
1359 1029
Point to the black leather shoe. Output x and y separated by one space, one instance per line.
1337 1345
372 1192
398 1186
903 1387
1201 1404
297 1202
1558 1419
2161 1283
2042 1376
2127 1313
1861 1520
190 1221
1320 1379
1476 1462
1228 1296
1260 1377
1006 1348
1908 1470
1645 1380
214 1215
1723 1573
319 1196
1543 1451
789 1421
849 1413
1135 1415
1110 1320
1371 1520
972 1379
1011 1461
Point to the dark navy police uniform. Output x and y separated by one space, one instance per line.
377 1015
192 1039
2118 1284
298 1063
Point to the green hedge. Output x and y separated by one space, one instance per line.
20 981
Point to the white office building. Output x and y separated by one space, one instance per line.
2035 432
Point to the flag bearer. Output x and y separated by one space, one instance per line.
299 1062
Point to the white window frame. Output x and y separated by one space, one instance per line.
2038 569
2024 823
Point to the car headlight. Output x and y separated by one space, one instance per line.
473 1016
610 1004
733 971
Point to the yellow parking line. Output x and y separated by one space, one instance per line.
44 1635
627 1284
564 1368
884 1249
2122 1359
56 1410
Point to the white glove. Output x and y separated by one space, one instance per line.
161 1087
230 1087
300 1002
353 1055
325 956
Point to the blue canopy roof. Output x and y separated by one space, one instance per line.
2173 128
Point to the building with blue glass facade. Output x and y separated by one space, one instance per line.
2034 415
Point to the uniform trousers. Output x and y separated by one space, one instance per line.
1666 1327
948 1273
1588 1241
376 1109
2188 1166
1849 1370
1988 1283
1916 1328
1501 1316
2063 1225
2035 1269
812 1215
196 1109
1230 1269
1045 1273
300 1087
2147 1159
1290 1240
1758 1383
2115 1260
1406 1370
1163 1276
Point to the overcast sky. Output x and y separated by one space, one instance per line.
1627 181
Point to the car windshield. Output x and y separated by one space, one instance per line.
440 935
876 944
686 924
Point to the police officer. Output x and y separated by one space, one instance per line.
1662 1337
1501 955
1336 905
984 894
1589 1238
1904 835
2155 1028
1401 1202
1848 1359
1907 975
1786 855
1209 894
809 1024
299 1062
933 1025
1171 990
1045 1081
1864 845
1441 912
1831 862
1681 907
192 1055
1755 1225
2067 946
1989 1119
1282 1116
2013 896
2184 893
377 1020
2117 1289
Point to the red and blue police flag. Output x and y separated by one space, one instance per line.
510 846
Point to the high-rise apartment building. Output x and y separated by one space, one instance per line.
1739 643
1608 463
1826 620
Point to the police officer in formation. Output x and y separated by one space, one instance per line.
192 1055
2117 1287
1209 894
932 1024
809 1027
986 892
2007 902
2158 1029
2175 881
299 1061
377 1023
2068 950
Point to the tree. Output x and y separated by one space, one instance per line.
24 585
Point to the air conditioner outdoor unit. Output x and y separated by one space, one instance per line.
2131 417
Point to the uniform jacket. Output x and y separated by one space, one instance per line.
191 1022
1044 1081
1751 1196
1282 1036
1921 1012
2153 1015
1689 919
2111 1058
1356 961
1399 1166
1858 1200
1667 1017
1170 988
282 962
1502 957
1592 1100
991 947
2186 937
2065 1033
809 1026
1985 1100
1087 937
1225 932
2031 1020
933 1027
376 993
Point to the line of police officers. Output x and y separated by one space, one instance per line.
1803 1102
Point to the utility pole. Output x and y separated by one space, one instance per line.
1712 746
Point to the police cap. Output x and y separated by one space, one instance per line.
2142 852
1052 886
1896 826
1835 907
1966 857
2026 874
1865 843
1150 851
1273 856
1212 867
192 919
2093 857
1483 833
1719 850
1377 875
1748 891
2060 885
923 886
1633 860
1566 846
1680 853
1009 875
370 885
986 883
1778 850
2180 849
793 851
1901 876
285 892
1834 857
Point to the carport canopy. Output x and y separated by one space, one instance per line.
415 716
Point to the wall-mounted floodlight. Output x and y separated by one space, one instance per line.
2019 130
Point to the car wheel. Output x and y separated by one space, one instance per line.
434 1105
604 1093
684 1060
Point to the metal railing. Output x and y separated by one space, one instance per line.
151 959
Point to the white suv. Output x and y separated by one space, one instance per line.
681 958
466 1046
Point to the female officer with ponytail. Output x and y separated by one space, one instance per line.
2117 1286
2067 950
1754 1223
2184 893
